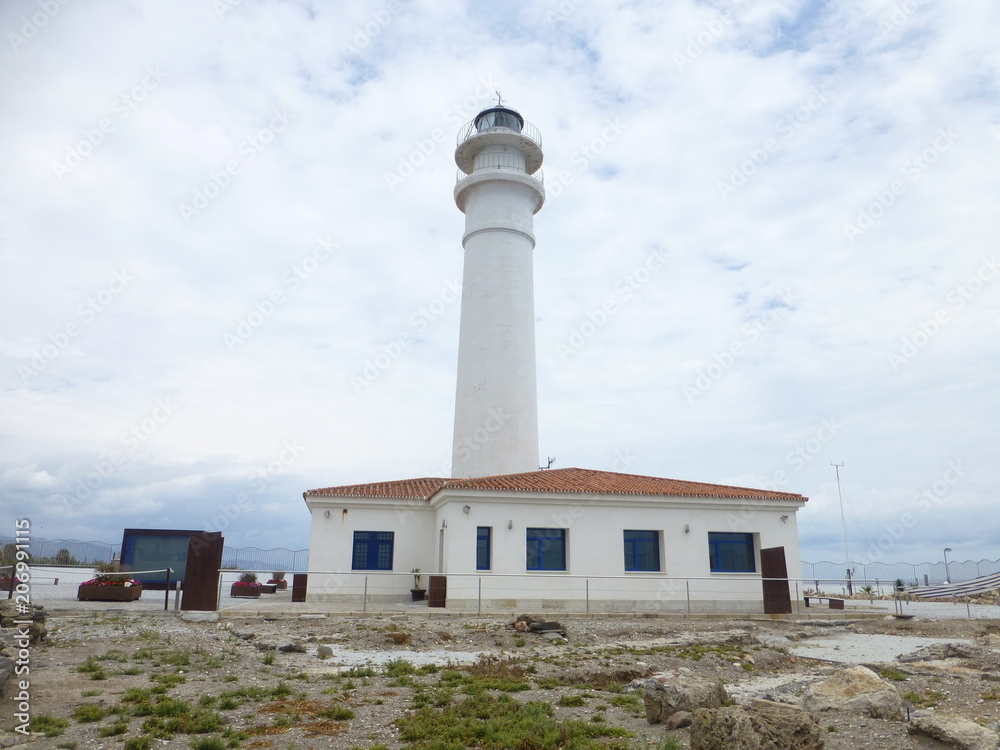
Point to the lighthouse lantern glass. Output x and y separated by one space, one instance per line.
499 118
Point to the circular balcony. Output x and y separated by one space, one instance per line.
482 132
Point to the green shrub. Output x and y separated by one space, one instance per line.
113 730
50 726
89 712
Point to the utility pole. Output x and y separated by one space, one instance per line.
843 524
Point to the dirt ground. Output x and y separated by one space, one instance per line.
119 678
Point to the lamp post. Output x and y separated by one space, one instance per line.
947 573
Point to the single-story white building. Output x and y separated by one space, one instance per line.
569 539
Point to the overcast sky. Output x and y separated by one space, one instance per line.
769 244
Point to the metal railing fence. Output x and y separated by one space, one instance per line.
68 552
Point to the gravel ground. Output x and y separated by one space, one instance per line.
583 679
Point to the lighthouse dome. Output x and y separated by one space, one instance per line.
499 117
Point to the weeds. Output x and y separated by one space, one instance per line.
488 721
50 726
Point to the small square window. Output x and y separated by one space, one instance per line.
372 550
731 552
546 549
642 550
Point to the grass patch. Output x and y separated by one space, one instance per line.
209 743
891 673
50 726
113 730
924 699
113 655
138 743
167 681
626 700
89 712
337 713
572 701
487 721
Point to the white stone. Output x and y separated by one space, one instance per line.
857 689
200 617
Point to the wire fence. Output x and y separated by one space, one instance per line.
911 574
72 552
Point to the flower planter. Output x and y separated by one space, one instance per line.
108 593
244 591
281 584
417 594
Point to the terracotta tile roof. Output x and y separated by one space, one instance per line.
404 489
553 480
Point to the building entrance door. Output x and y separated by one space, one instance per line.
774 572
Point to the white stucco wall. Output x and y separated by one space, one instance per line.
595 578
331 546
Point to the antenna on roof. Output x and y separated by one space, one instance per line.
843 523
499 99
551 460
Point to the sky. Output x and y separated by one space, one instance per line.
230 255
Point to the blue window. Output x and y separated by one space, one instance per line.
730 552
546 549
372 550
642 550
484 538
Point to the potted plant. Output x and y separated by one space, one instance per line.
278 580
109 585
416 592
246 586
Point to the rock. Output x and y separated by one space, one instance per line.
963 733
554 637
522 623
14 614
245 635
200 617
264 645
6 671
666 693
940 651
297 646
856 689
759 726
324 652
312 617
547 627
679 720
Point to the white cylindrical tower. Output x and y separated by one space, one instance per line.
498 190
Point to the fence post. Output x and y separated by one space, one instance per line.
479 597
587 593
166 593
687 586
364 600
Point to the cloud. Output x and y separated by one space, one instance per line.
833 152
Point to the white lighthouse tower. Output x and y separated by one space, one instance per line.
499 190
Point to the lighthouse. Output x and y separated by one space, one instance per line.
499 190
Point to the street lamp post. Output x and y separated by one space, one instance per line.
947 572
